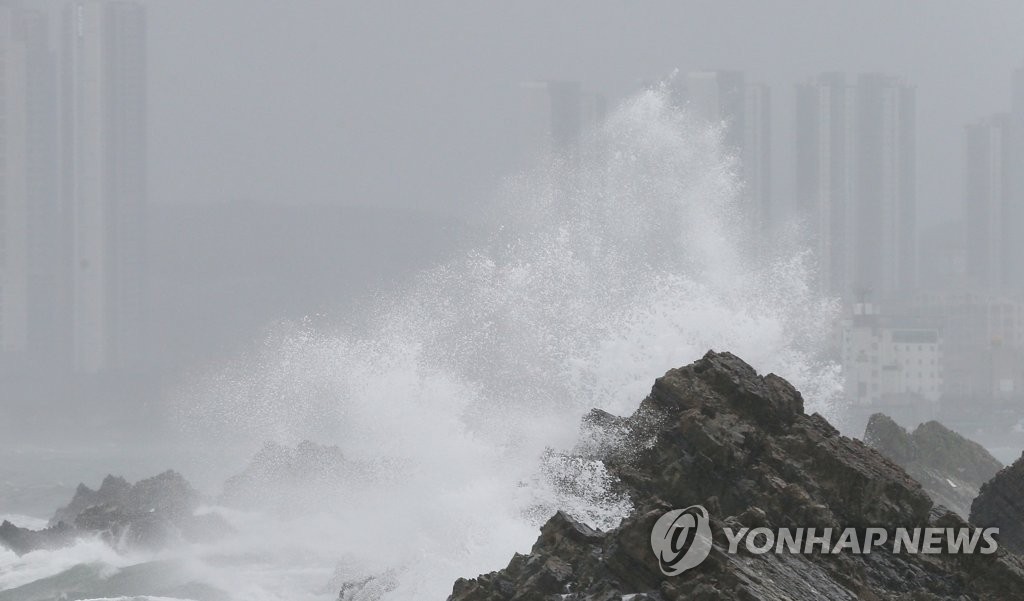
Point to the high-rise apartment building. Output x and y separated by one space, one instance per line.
856 182
720 97
1015 158
744 111
886 187
824 178
757 152
29 212
14 183
988 203
103 135
554 114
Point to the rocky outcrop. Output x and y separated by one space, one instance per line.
112 491
282 477
24 540
150 514
718 435
950 467
1001 504
368 587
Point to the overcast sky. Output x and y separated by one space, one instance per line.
412 103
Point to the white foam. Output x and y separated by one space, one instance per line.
607 267
16 571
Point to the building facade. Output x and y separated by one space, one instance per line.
825 172
990 218
1015 272
30 226
984 332
553 115
856 182
887 359
744 111
104 180
757 153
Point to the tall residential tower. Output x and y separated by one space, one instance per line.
1015 169
988 195
554 114
104 180
744 111
30 242
856 182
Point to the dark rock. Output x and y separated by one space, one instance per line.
149 514
716 434
23 540
1001 503
152 513
950 467
112 491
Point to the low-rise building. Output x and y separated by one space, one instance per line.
887 358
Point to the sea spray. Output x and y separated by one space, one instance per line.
607 265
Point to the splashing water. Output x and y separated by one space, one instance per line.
607 266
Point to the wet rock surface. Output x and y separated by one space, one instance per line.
1001 504
152 513
24 540
949 467
716 434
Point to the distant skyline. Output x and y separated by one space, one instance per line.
411 105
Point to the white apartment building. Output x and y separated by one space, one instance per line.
884 360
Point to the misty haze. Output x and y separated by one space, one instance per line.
319 300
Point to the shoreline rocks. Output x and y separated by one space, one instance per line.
1001 504
152 513
950 467
717 434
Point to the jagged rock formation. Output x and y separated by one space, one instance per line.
1001 503
152 513
951 468
284 478
23 540
716 434
368 587
112 491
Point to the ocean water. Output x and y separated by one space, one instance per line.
606 265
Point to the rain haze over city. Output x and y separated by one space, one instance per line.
355 272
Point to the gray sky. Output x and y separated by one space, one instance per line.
411 103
